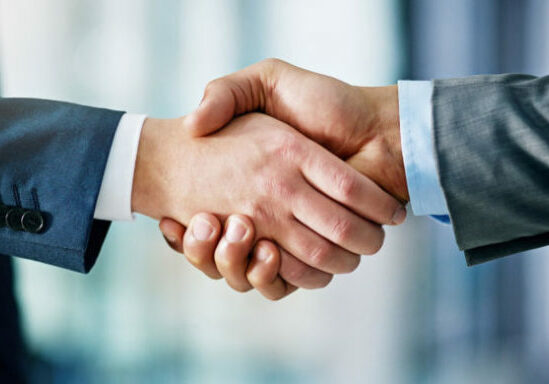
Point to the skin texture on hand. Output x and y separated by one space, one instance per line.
358 124
296 192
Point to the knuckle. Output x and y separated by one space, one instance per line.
288 146
278 188
346 185
320 255
271 62
260 211
342 229
213 83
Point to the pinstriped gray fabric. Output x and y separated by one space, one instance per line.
492 144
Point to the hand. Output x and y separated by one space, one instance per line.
357 123
360 124
274 176
263 259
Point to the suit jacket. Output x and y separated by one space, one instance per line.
52 159
492 146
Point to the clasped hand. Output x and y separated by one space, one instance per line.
258 174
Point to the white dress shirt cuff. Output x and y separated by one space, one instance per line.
115 196
418 149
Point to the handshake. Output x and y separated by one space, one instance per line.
283 177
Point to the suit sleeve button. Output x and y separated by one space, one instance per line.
14 218
32 221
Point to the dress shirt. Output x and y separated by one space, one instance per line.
418 149
115 196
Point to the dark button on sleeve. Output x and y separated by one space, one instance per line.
14 218
32 221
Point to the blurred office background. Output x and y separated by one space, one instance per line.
412 314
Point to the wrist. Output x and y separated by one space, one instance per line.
384 150
141 188
150 196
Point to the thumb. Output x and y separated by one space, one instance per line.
218 107
228 97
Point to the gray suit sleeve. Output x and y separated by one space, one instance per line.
492 147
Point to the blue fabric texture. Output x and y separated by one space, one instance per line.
60 150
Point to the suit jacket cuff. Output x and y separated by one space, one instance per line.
52 159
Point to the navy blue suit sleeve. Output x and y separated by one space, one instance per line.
53 154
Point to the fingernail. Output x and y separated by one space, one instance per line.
202 230
399 216
235 231
263 254
170 239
